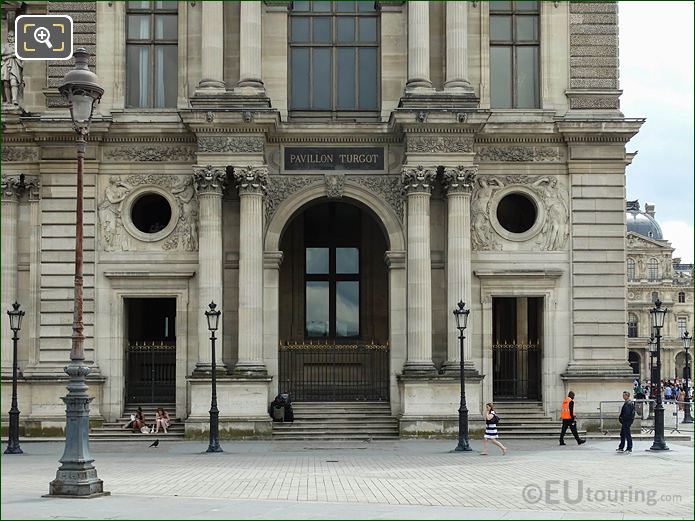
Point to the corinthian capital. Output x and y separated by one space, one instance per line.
11 186
209 179
417 179
459 179
251 179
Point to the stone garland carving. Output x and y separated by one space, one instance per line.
555 230
518 154
150 153
113 235
246 144
417 179
251 179
386 187
440 144
335 183
11 154
459 178
282 187
209 179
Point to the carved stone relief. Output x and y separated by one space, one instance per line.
518 154
20 154
251 179
282 187
150 153
114 236
11 186
417 179
459 178
440 144
245 144
554 231
334 185
386 187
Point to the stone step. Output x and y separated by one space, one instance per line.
342 422
340 437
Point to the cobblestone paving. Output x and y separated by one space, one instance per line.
534 477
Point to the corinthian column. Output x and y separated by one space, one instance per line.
252 182
250 81
417 186
209 183
458 183
418 46
212 51
12 187
457 47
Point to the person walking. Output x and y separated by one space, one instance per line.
627 416
491 420
569 419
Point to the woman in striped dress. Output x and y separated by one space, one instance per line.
491 430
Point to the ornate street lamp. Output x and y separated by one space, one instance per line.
77 476
213 316
461 315
13 447
687 341
658 315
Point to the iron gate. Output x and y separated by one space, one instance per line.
516 371
151 372
327 373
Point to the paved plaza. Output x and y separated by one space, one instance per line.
387 480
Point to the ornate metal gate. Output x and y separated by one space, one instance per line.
151 372
320 372
516 371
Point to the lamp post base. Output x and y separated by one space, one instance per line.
214 448
658 446
465 447
13 449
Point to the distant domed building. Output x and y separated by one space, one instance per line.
653 272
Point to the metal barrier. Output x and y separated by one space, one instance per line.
672 409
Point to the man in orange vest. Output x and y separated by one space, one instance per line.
569 419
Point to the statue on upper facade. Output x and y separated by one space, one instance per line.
12 73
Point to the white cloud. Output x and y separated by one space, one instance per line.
680 235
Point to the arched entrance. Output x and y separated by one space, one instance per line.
334 304
680 365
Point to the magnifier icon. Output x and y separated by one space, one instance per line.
42 35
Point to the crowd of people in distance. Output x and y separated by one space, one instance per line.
672 391
138 422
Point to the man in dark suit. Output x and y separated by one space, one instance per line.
627 416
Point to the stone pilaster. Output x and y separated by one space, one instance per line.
417 187
252 183
418 47
209 183
212 52
11 187
458 182
33 187
250 82
457 48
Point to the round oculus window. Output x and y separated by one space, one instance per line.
151 213
516 213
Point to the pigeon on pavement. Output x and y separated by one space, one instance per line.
155 444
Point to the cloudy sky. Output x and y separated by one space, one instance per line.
656 75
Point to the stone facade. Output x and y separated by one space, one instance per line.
216 160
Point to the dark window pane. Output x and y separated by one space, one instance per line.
345 7
301 6
346 29
321 7
347 308
526 28
138 27
367 29
366 7
165 75
527 77
345 69
166 5
347 260
138 5
300 79
501 28
300 29
316 261
165 27
501 77
526 6
322 30
499 5
138 80
317 308
368 78
321 81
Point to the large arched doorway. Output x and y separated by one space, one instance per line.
681 370
333 321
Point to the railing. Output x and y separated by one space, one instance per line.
151 372
340 372
644 410
516 371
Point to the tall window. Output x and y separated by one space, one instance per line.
682 326
681 297
332 271
653 270
334 57
514 54
151 54
632 325
655 296
630 269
